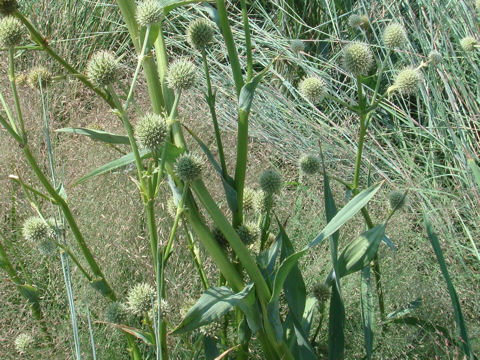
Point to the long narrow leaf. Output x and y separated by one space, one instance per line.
99 135
367 310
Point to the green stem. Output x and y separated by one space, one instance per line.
195 257
13 84
241 168
11 131
162 66
248 41
75 260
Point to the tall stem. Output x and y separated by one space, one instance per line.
248 41
13 84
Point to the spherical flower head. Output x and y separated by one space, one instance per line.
151 131
310 164
313 88
262 202
47 248
181 75
434 57
357 58
7 7
39 75
248 198
165 310
200 33
21 79
270 181
355 21
102 69
297 46
188 167
397 200
468 43
35 229
407 81
249 233
139 299
116 313
321 291
394 36
23 343
149 12
11 31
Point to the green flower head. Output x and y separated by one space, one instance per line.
181 75
248 198
200 33
249 233
321 291
188 167
262 201
357 58
468 43
116 313
7 7
102 69
11 32
39 75
394 36
313 88
297 46
139 299
270 181
151 131
149 12
23 343
36 230
407 81
310 164
435 58
47 248
219 237
397 200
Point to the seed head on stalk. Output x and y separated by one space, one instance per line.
200 33
11 32
357 58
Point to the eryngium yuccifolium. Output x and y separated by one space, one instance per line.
11 31
35 229
270 181
219 237
116 313
407 81
468 43
39 75
23 343
357 58
321 291
165 310
248 197
313 88
151 131
200 33
47 247
435 57
21 79
310 164
394 36
396 199
355 21
149 12
181 75
248 233
262 201
171 207
102 69
297 46
139 299
8 6
188 167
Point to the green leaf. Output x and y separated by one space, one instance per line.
152 36
29 292
475 171
146 336
248 90
212 305
368 311
462 328
307 318
336 325
99 135
169 5
101 286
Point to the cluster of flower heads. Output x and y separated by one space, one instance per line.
102 69
149 12
151 131
12 32
42 233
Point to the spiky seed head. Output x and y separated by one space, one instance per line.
200 33
248 233
35 229
248 197
39 75
23 343
219 237
171 207
354 21
181 75
297 46
394 36
102 69
11 31
151 131
47 248
313 88
407 81
397 200
270 181
321 291
468 43
139 299
211 329
435 57
116 313
21 79
165 310
188 167
149 12
262 201
357 58
7 7
310 164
